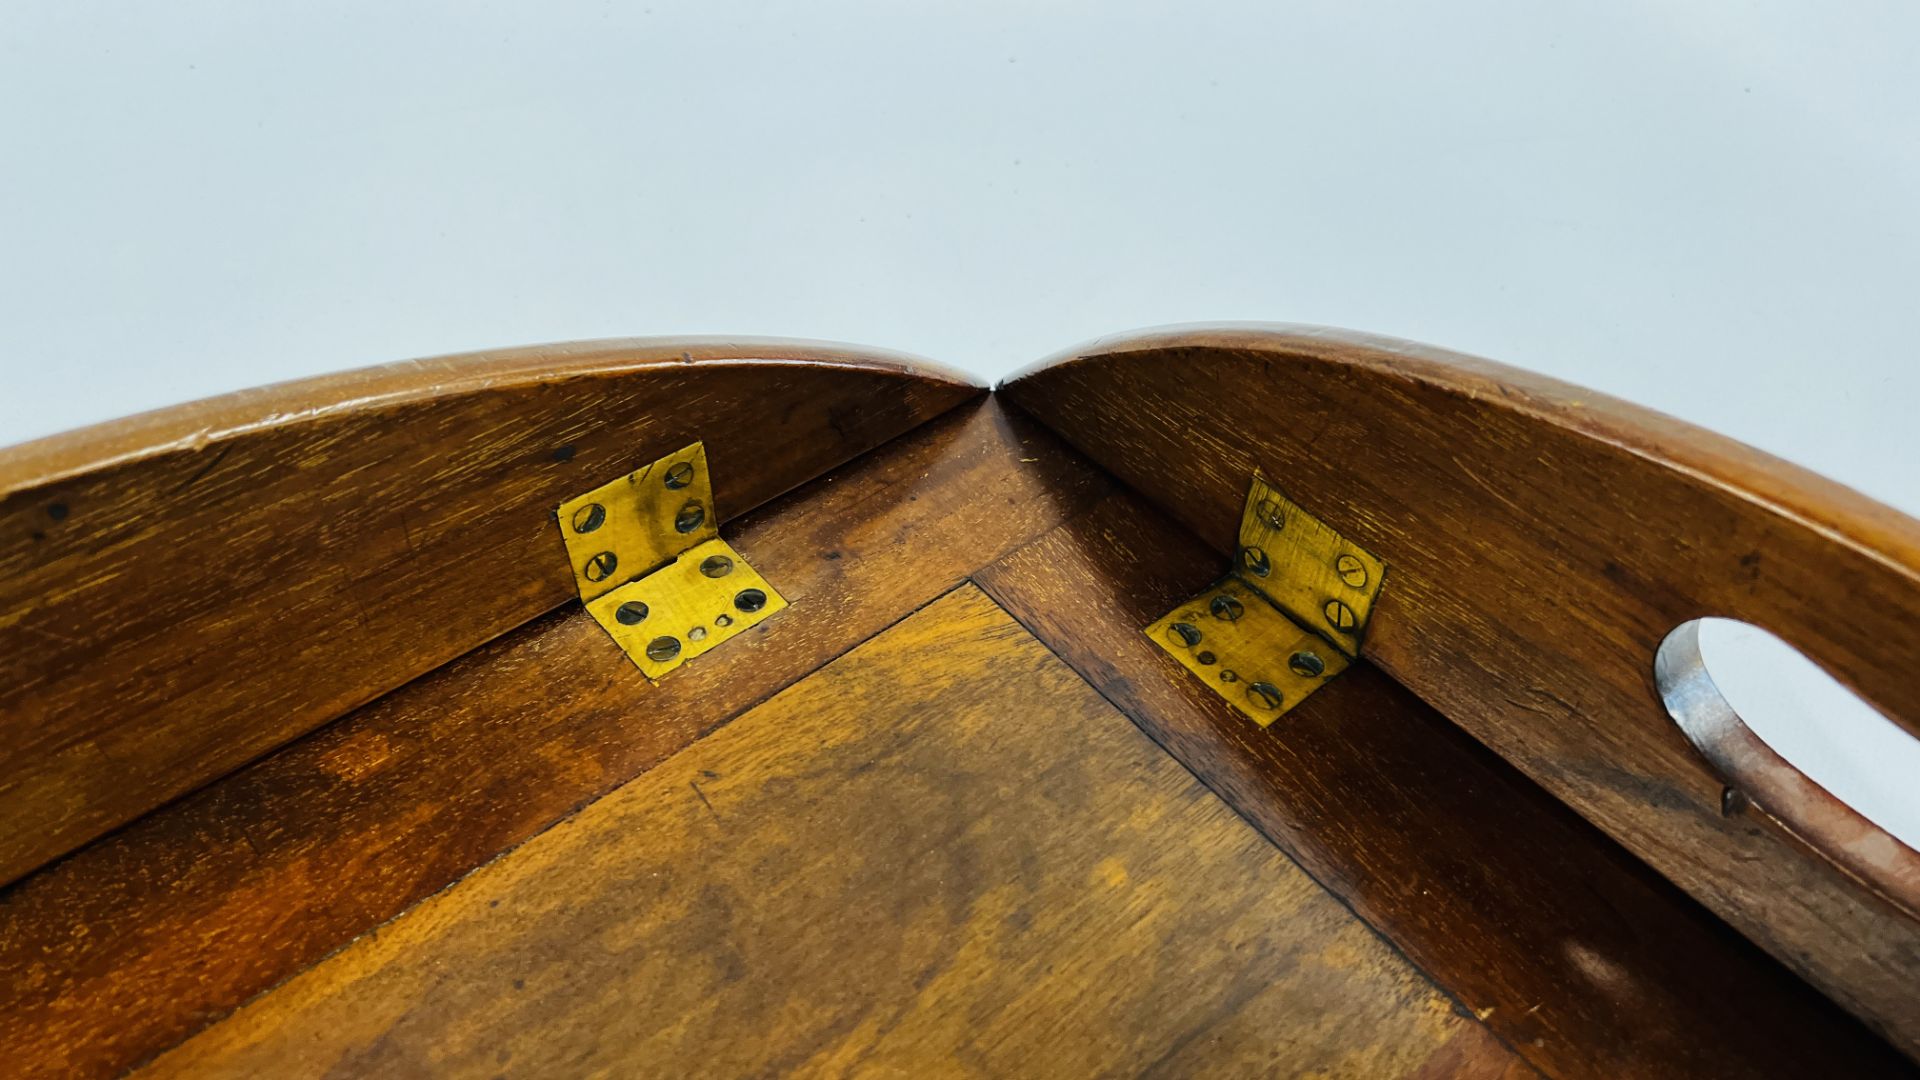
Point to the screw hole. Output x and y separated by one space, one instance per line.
724 620
1732 801
698 633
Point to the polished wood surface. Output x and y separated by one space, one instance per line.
936 856
1541 541
1576 954
182 591
137 941
1574 958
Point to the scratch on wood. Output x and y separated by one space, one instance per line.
203 470
695 785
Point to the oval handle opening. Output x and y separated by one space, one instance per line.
1789 738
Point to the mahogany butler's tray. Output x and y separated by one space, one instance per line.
1236 701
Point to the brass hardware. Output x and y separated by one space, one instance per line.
1259 660
626 528
1290 615
651 567
1317 576
688 611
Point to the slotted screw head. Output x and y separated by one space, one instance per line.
1340 616
1351 570
1256 561
690 517
600 567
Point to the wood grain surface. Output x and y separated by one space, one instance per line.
1578 955
1541 541
182 591
140 939
941 855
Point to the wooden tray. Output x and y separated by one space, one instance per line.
315 763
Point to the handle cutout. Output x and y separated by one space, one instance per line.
1789 738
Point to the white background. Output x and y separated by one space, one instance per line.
1709 207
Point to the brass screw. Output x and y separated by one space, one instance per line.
600 567
589 517
690 517
749 600
631 612
1306 665
1184 634
662 649
1340 616
716 566
1255 561
679 475
1351 570
1264 695
1226 608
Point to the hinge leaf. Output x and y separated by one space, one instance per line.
1290 615
651 568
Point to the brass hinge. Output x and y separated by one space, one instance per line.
651 567
1289 616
